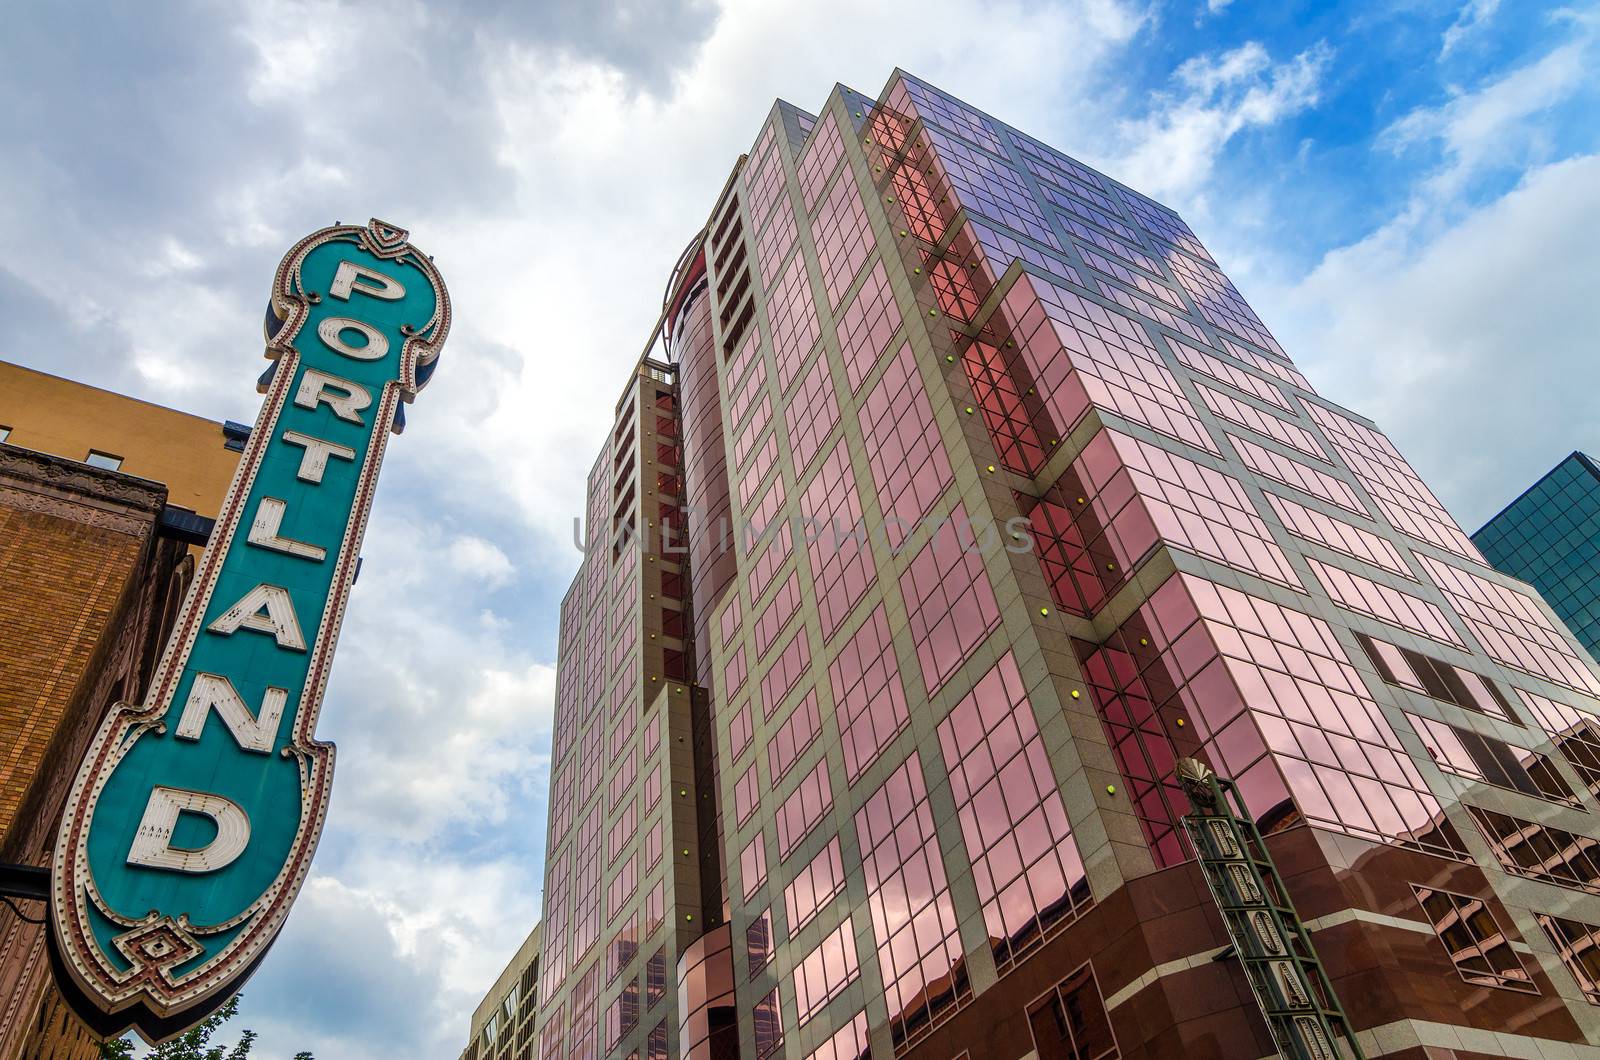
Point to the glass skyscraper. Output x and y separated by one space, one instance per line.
1550 538
959 495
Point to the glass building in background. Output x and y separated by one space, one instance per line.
1550 538
958 495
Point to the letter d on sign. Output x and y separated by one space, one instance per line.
152 844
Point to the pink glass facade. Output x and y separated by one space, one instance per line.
992 497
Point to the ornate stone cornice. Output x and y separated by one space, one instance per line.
110 500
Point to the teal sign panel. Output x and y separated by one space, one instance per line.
193 819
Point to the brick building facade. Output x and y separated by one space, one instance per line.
94 563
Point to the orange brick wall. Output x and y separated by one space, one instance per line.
87 592
63 580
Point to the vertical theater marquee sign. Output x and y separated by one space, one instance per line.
192 822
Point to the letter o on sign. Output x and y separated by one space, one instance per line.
331 331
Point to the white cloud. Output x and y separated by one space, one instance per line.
481 560
1473 14
1473 348
384 960
1170 151
1490 127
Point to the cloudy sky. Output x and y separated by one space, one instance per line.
1408 192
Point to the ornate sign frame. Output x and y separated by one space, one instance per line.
158 938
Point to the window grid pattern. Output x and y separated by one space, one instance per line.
1076 583
745 393
740 730
911 175
1404 498
1083 354
842 236
841 561
848 1042
1043 152
586 885
793 320
1436 678
1163 225
869 703
988 187
1290 472
798 730
1195 359
1275 427
1139 304
1386 604
1339 535
780 543
776 614
1139 493
1474 940
1060 182
622 1016
1511 627
1540 852
1085 212
753 865
1071 1021
767 1019
810 801
811 414
948 599
1275 699
785 672
764 180
1279 368
824 972
1025 860
622 885
999 250
913 918
908 459
1220 301
758 943
620 951
1129 255
819 159
1145 755
867 325
744 358
941 110
1006 412
764 460
1578 945
1550 538
1487 760
733 672
752 429
774 244
746 794
813 887
1575 733
1132 277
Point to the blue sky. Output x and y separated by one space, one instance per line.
1407 192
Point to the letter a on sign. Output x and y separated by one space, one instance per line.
193 818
